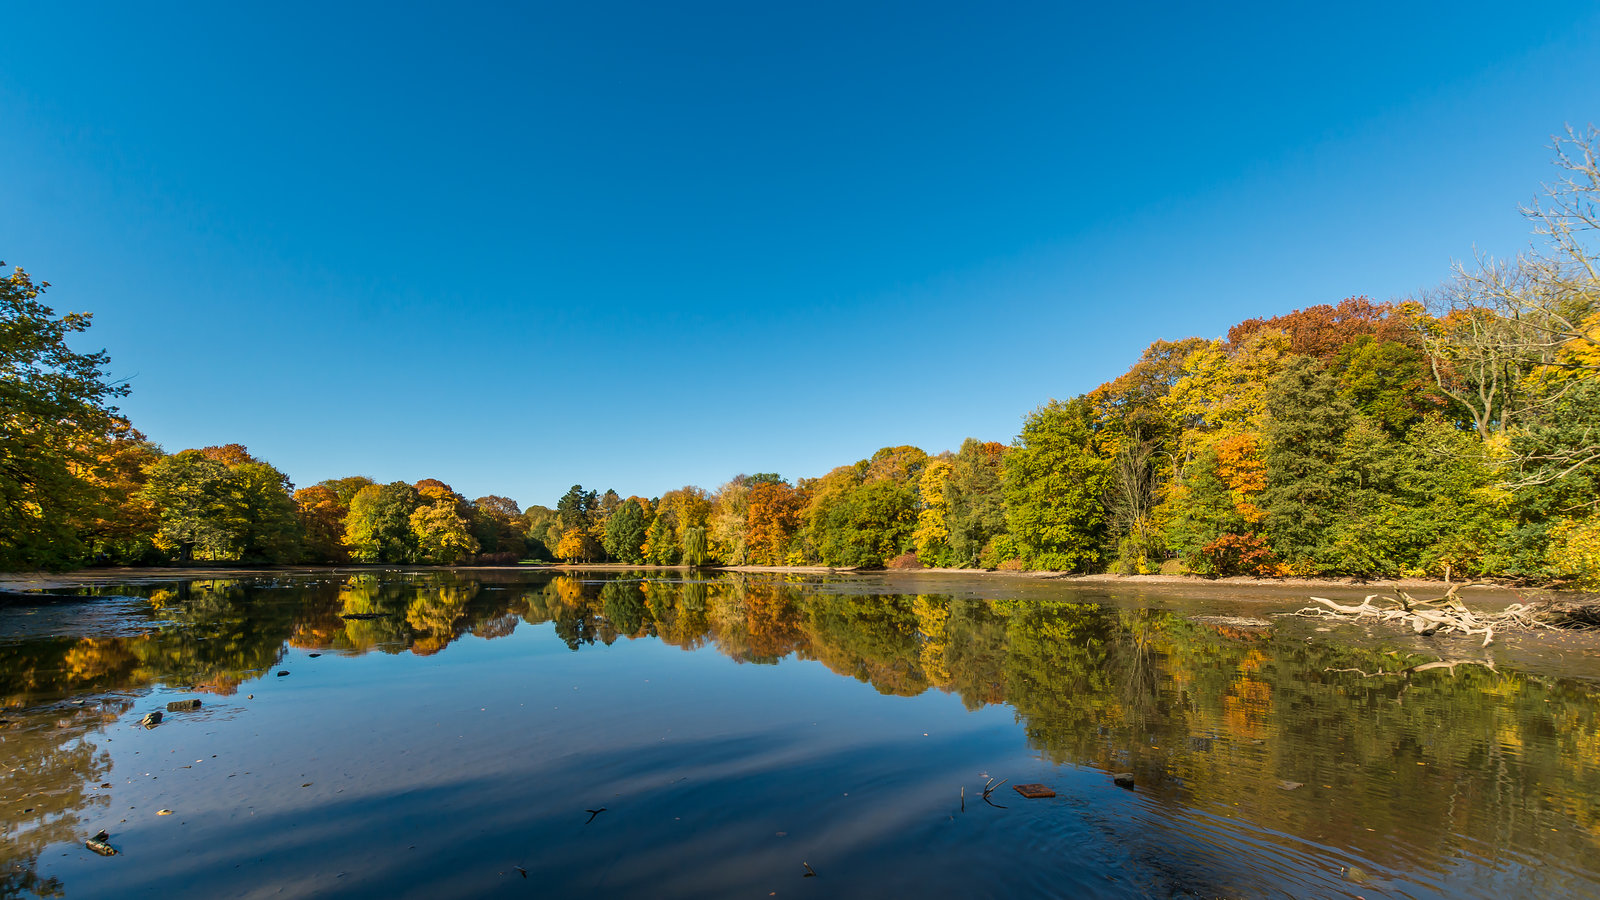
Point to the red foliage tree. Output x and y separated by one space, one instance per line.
1322 331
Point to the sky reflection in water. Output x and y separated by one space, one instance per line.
465 732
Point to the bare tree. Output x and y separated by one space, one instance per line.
1569 213
1509 340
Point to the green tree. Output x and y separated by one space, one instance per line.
378 528
201 512
865 514
541 531
221 503
626 530
271 529
54 403
660 541
1305 432
577 508
695 551
1387 381
975 510
345 488
1053 482
497 524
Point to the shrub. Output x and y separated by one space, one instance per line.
905 561
1239 554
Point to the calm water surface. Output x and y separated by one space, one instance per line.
737 728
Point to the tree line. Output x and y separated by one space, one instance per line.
1453 433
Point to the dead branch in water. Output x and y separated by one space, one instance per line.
1448 614
1424 667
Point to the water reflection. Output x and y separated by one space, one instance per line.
1418 776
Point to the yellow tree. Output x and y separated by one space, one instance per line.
577 545
122 523
443 535
729 510
933 531
677 512
322 521
1223 390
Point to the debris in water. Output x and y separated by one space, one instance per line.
98 844
1290 785
181 705
594 812
282 672
314 655
1033 791
522 870
990 788
163 812
810 872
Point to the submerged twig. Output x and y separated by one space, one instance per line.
987 790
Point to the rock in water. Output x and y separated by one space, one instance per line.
1290 785
1033 791
1123 780
181 705
151 719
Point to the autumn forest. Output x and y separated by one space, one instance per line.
1452 433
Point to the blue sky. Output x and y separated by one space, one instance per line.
643 245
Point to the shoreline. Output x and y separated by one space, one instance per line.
1220 600
53 581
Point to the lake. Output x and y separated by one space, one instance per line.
367 733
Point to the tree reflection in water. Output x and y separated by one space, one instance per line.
1205 716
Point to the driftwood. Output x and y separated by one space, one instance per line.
1448 614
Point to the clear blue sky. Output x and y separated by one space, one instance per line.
641 245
